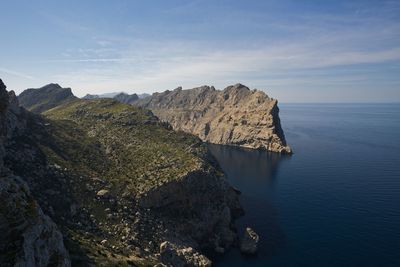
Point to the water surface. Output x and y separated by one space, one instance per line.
336 201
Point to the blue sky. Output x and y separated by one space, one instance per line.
296 51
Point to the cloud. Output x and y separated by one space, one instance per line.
17 74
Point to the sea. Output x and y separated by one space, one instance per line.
335 201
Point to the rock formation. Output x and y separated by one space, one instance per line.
28 236
234 116
45 98
249 242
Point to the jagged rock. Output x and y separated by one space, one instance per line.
249 242
235 116
173 255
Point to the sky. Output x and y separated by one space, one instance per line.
295 51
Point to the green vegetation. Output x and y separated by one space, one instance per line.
124 144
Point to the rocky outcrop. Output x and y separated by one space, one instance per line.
249 242
45 98
234 116
28 236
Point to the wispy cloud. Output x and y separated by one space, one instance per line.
17 74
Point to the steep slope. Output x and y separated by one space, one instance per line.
123 187
235 116
28 236
45 98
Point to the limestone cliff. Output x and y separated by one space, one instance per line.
234 116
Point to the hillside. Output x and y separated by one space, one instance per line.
123 188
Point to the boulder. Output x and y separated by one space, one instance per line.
103 193
249 242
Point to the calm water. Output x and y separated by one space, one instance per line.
336 201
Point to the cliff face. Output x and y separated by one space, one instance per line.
28 236
235 116
45 98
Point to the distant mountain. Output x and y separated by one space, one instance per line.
144 95
121 97
106 95
125 98
45 98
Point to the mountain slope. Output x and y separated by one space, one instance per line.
45 98
123 187
234 116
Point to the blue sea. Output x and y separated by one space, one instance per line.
335 201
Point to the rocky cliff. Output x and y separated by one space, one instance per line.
234 116
123 188
28 236
45 98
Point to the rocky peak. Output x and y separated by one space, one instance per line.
46 97
51 86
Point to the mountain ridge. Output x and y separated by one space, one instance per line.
234 116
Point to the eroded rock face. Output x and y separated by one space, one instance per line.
28 237
249 242
234 116
198 210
